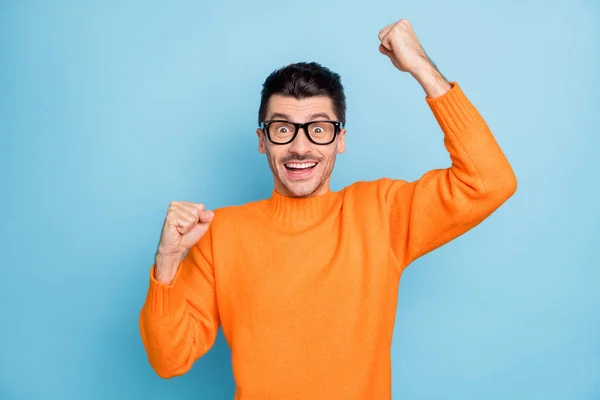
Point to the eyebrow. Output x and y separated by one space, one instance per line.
310 117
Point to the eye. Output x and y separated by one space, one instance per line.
319 129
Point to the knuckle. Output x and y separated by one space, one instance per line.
173 216
185 224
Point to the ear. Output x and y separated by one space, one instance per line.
341 141
261 141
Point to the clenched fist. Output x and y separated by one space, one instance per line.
400 43
184 225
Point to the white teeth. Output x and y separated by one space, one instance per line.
301 165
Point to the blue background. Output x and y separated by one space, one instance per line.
110 111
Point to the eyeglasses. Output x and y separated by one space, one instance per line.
318 132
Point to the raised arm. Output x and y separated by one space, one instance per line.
445 203
179 319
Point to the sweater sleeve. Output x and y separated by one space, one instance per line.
445 203
179 322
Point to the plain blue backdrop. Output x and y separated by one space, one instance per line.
110 110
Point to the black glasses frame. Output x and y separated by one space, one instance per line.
265 128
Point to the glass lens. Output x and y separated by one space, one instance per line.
281 132
320 132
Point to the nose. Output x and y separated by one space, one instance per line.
300 144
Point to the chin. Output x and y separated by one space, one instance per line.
301 192
301 189
301 183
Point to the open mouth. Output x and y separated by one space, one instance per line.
300 167
300 171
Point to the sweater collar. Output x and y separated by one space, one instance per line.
297 212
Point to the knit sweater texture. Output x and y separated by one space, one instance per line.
305 290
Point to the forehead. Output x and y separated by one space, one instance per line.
300 110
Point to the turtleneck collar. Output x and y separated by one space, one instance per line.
297 212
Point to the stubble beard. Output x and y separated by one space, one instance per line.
301 189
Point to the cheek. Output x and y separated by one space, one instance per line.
274 155
331 157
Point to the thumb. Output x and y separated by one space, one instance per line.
384 50
196 233
206 217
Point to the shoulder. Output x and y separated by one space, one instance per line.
375 190
238 215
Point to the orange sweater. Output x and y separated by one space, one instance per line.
305 290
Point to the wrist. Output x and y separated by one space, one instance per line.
431 80
166 266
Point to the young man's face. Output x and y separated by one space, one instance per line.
300 168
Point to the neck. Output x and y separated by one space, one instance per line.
283 191
300 211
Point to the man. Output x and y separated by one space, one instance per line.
305 283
